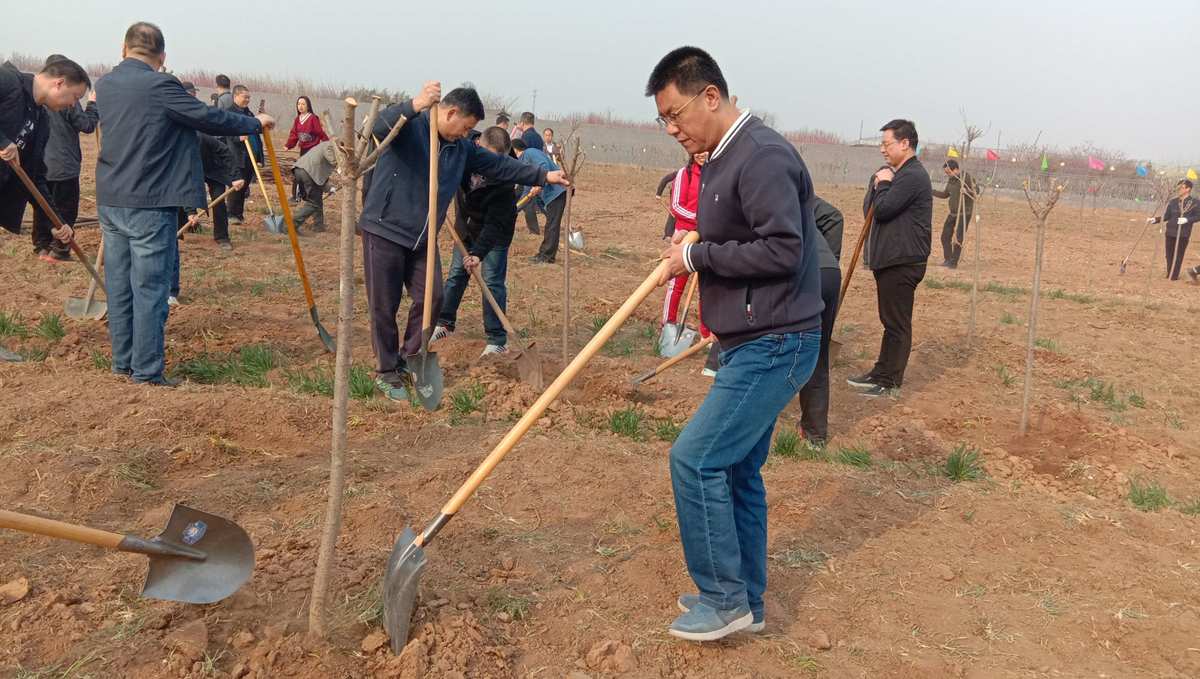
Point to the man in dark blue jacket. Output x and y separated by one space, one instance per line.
528 134
149 168
761 286
395 214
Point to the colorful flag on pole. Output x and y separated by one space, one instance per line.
1095 164
1142 171
1192 174
992 155
951 153
1045 163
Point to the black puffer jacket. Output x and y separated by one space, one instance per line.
24 123
903 228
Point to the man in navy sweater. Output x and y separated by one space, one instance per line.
761 286
394 220
149 168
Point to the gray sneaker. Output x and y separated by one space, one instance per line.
705 623
10 356
686 602
393 392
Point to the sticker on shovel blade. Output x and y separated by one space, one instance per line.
426 391
194 532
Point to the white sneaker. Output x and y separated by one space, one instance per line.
439 333
493 349
708 372
172 301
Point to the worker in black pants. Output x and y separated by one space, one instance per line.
814 397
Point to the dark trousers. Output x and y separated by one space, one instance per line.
952 237
814 397
180 220
389 269
237 199
895 288
313 195
554 213
531 221
64 198
1176 246
220 215
298 188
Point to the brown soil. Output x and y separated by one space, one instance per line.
567 562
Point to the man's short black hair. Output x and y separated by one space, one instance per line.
62 67
496 138
238 89
146 39
547 129
952 164
518 144
691 69
222 80
502 118
902 129
527 118
466 100
1185 182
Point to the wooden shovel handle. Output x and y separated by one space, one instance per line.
211 205
862 237
57 529
56 220
692 283
487 293
683 355
431 228
257 173
287 217
91 293
556 387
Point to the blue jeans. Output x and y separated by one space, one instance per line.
494 272
719 495
139 247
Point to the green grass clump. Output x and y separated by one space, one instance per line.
11 325
627 423
465 401
1148 496
1047 344
516 607
787 443
100 361
1008 319
855 456
317 382
51 327
963 464
667 430
246 367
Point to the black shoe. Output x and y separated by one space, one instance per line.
945 262
538 259
880 390
163 381
862 381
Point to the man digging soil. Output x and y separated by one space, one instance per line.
760 282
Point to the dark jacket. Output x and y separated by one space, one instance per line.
396 207
489 216
151 154
217 161
669 227
829 223
241 158
533 139
903 228
1190 210
953 191
757 255
63 157
24 123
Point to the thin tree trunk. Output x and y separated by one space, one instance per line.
974 283
341 392
565 237
1034 300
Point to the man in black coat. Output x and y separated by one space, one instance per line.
26 101
898 248
243 161
63 160
149 169
1182 211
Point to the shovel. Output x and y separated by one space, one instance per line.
274 222
677 337
529 364
408 559
199 558
427 374
835 347
88 307
326 339
57 221
662 367
211 205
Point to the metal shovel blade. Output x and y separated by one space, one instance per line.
575 239
400 583
227 564
275 223
529 367
675 340
427 378
326 338
78 307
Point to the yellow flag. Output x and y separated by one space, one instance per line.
951 153
1192 174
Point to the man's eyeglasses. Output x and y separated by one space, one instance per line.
672 118
886 144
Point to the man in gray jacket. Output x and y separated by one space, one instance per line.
63 159
312 173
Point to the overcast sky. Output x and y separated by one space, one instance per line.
1122 75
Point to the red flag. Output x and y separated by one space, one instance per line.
1095 163
992 155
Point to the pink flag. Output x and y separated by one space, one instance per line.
992 155
1095 164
